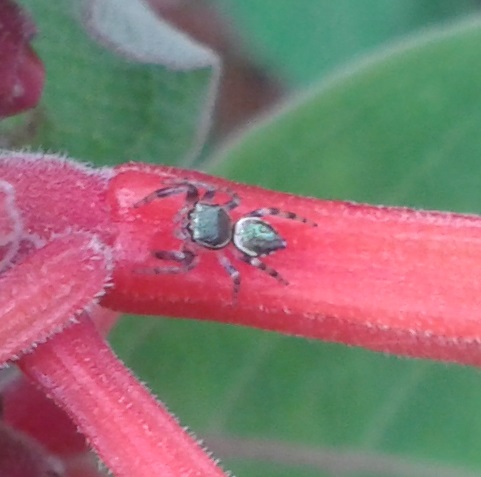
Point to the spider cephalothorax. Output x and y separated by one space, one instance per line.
211 226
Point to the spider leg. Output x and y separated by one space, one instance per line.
279 213
233 273
185 258
229 205
192 187
234 199
191 194
255 262
209 194
191 198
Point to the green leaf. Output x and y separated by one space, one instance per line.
136 89
306 38
401 127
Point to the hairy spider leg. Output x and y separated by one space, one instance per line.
233 273
191 194
255 262
191 198
273 211
212 191
186 259
209 194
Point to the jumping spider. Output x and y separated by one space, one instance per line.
211 226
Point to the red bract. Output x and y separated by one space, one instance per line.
38 439
23 457
393 280
21 71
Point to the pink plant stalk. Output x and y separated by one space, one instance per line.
388 279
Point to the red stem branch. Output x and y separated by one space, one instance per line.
80 372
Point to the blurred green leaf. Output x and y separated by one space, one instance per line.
305 38
403 128
123 104
399 128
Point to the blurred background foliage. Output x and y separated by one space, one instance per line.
371 100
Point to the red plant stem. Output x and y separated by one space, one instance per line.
41 295
80 372
394 280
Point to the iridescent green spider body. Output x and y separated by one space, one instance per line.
210 225
256 238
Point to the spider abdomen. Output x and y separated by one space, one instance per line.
256 238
